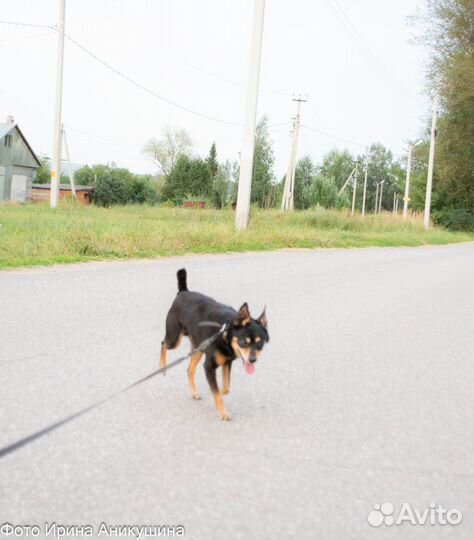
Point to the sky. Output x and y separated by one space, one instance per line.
185 65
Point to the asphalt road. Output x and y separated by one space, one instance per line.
363 396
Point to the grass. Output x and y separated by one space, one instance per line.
33 234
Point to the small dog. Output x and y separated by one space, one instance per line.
243 337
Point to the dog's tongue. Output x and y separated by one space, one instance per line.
249 368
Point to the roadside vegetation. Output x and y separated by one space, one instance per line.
34 234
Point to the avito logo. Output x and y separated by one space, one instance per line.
384 514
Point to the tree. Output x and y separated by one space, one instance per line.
212 160
323 192
380 168
88 176
43 173
222 184
263 159
304 174
166 151
109 191
448 34
337 164
188 178
141 190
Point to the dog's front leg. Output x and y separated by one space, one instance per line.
226 378
210 368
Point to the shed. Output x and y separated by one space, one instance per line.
41 192
18 164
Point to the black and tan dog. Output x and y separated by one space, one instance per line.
243 338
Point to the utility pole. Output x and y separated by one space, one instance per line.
376 197
365 183
288 200
71 174
248 145
285 203
381 193
406 198
355 188
429 180
347 181
56 164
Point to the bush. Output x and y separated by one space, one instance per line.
323 192
455 219
110 191
141 190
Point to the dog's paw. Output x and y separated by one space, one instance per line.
225 416
196 396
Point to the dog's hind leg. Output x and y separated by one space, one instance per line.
210 369
195 358
174 334
226 378
164 349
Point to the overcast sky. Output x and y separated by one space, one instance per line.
352 58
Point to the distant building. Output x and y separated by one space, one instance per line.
18 163
41 192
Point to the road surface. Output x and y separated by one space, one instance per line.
363 396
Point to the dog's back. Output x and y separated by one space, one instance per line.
190 308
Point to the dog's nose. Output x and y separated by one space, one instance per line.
252 359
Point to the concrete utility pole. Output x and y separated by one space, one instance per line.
248 145
71 174
406 198
355 188
376 197
365 182
429 180
381 194
288 199
287 187
347 181
56 164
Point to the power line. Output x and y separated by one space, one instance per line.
147 90
365 49
145 38
126 77
14 23
333 136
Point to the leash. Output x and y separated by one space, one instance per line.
42 432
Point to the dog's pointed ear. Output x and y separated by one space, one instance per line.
243 317
262 320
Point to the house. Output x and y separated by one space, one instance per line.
42 192
18 163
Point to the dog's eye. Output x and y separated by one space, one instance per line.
243 343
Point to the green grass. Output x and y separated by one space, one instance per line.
33 234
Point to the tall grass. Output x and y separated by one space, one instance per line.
34 234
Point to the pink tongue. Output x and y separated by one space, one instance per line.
249 368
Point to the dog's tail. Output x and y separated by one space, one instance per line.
182 286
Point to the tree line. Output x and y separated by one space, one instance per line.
447 32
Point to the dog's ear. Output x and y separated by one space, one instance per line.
243 317
262 320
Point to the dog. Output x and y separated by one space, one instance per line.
242 338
